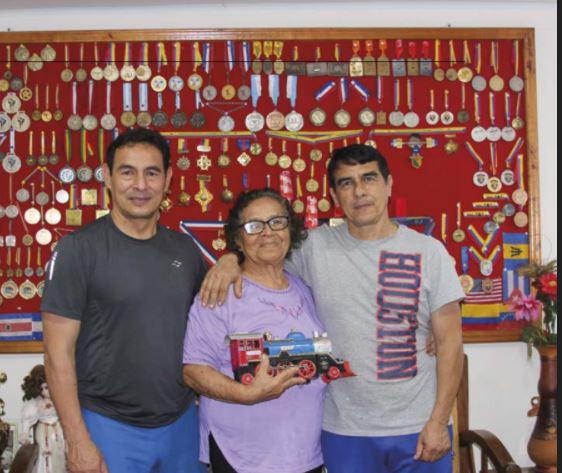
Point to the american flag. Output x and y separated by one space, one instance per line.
477 295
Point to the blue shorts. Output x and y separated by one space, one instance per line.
172 448
393 454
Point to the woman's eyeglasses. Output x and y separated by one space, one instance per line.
255 227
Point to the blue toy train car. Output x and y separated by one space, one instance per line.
313 356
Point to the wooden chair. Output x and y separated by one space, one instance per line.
492 449
25 459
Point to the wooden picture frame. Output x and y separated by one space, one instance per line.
524 35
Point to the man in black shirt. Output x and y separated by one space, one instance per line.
114 315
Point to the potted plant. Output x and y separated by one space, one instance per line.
541 333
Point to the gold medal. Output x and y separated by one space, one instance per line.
285 161
312 184
228 92
299 164
467 283
271 158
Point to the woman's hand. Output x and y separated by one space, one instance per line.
265 387
214 288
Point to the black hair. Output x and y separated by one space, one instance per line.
133 136
234 222
356 154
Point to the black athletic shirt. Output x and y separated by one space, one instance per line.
132 298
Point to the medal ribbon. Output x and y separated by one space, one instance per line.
514 151
311 216
474 155
425 49
255 82
143 96
101 145
246 55
516 56
177 56
507 109
520 173
344 90
230 54
493 158
494 57
361 89
379 89
273 86
144 53
292 90
432 99
112 53
518 105
83 147
492 105
409 94
477 107
286 185
463 96
466 53
396 94
444 227
207 57
437 52
452 55
446 99
483 242
177 100
127 54
67 147
74 84
465 261
478 57
30 143
127 97
160 101
478 257
108 97
96 55
65 56
197 59
90 95
324 90
337 52
459 214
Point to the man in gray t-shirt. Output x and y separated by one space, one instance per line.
381 290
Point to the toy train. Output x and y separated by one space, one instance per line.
313 356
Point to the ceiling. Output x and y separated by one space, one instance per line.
42 4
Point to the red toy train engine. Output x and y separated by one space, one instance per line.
313 356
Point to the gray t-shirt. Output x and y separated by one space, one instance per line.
376 299
132 298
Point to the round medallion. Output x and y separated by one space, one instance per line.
209 92
494 184
84 173
159 119
496 83
32 216
96 73
67 175
479 83
228 92
480 178
499 217
144 119
43 236
508 210
459 235
244 92
516 84
143 72
62 196
111 73
465 74
48 53
275 120
53 216
519 196
254 121
478 134
520 219
158 83
439 74
508 177
396 118
467 283
108 122
366 117
493 133
197 119
432 117
270 159
447 117
90 122
226 123
411 119
508 133
176 83
317 116
294 121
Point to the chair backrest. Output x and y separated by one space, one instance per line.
25 459
462 460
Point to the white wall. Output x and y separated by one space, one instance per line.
502 380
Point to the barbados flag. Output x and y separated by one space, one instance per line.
515 254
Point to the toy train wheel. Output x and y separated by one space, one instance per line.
307 369
333 372
247 378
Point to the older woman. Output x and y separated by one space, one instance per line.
272 425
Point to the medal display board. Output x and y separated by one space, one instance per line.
452 110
